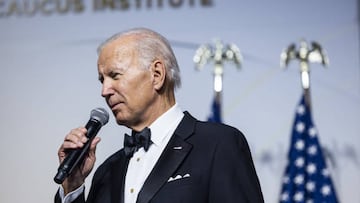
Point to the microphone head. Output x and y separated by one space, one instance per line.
100 115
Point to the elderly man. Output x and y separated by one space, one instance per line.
170 156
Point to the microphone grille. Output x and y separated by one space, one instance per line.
100 115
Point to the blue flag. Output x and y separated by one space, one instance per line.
215 115
307 178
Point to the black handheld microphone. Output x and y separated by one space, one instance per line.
98 118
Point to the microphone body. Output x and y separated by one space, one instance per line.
99 117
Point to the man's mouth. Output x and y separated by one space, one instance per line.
115 105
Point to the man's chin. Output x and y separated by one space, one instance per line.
119 119
120 122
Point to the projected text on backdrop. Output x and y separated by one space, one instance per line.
29 8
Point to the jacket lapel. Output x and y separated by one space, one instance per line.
118 172
172 156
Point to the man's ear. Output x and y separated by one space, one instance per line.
159 74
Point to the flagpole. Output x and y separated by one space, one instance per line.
315 54
219 54
305 82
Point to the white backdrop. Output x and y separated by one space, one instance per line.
49 82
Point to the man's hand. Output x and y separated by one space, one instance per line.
76 139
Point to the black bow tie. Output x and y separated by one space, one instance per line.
136 141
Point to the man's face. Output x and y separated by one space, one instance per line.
126 87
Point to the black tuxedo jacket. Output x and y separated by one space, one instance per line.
202 163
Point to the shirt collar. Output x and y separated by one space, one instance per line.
166 123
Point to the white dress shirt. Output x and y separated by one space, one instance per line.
141 164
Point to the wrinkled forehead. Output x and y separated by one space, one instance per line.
119 54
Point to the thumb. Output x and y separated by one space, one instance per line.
94 143
91 154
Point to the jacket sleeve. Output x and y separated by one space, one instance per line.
233 176
79 199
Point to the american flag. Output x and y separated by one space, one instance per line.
215 115
307 178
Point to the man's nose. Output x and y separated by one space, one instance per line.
106 88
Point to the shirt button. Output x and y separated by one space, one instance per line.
132 190
138 159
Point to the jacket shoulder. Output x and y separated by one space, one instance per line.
211 131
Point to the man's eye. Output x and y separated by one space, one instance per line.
101 79
114 75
